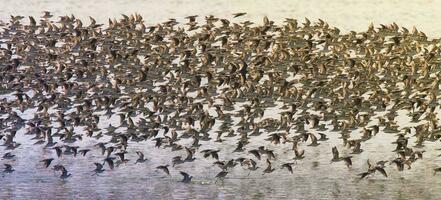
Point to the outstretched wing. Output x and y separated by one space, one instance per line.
110 163
362 175
189 153
184 174
140 155
381 170
348 161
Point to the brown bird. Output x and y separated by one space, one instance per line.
299 154
337 158
288 166
268 169
372 169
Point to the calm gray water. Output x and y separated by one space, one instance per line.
313 178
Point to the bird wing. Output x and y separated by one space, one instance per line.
348 161
221 174
357 146
189 153
165 169
271 154
381 170
299 153
255 153
84 151
364 174
110 163
121 156
239 14
206 151
186 176
335 153
58 150
215 155
313 138
400 166
243 71
98 165
64 172
140 154
268 162
75 150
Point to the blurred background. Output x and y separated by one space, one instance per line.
344 14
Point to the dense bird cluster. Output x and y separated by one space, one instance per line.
193 87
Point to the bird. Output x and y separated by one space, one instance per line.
121 156
99 169
372 169
8 169
177 160
268 169
323 137
47 15
438 169
187 178
337 158
357 149
288 166
335 154
64 175
299 154
109 161
164 168
8 155
239 14
102 147
83 152
189 157
221 175
255 153
59 151
191 18
210 152
47 162
313 140
141 158
252 165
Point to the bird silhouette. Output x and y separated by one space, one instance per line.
47 162
187 178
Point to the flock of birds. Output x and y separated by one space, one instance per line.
185 87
